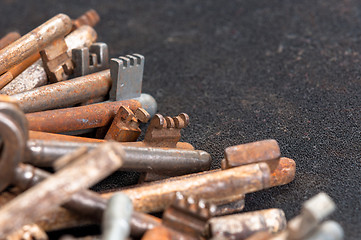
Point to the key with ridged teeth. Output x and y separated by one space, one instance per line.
90 60
127 75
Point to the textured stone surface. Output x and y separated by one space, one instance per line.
244 71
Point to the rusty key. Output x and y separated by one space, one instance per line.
167 162
185 218
56 58
35 75
213 187
89 205
125 125
36 40
83 117
266 151
58 189
240 226
309 224
71 92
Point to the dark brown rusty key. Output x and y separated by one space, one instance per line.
261 151
185 218
165 131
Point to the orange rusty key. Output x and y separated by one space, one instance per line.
57 61
83 117
185 218
36 40
125 126
266 151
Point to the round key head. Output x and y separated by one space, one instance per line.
13 135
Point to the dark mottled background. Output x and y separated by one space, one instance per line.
245 71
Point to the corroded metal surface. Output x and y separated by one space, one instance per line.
13 72
260 151
90 18
125 125
284 173
9 38
165 131
65 93
214 186
35 75
60 137
241 226
34 41
57 189
88 205
188 216
83 117
57 62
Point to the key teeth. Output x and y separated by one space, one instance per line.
197 207
157 121
170 122
118 63
140 58
142 115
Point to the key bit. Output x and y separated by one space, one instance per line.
188 216
125 126
165 131
127 76
57 62
185 218
90 60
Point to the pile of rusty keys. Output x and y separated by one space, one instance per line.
66 84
